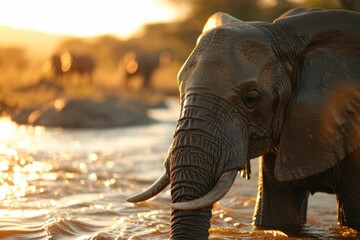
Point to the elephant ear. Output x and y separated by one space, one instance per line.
220 19
297 11
322 123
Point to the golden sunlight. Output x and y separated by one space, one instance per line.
84 18
7 128
15 173
17 169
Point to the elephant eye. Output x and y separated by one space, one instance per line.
251 98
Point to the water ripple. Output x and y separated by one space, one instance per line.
72 184
58 228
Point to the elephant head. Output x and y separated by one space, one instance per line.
248 88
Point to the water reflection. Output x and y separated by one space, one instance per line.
20 172
72 184
16 171
7 128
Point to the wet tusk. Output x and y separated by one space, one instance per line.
221 188
151 191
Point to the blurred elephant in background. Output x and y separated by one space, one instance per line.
288 91
70 65
140 64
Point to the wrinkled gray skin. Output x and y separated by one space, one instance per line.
288 91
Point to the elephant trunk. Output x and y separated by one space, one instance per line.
193 194
192 202
190 179
204 162
190 224
208 149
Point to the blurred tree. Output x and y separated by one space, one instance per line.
353 5
180 36
13 58
76 44
246 10
177 37
107 50
258 10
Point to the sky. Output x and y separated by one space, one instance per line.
84 18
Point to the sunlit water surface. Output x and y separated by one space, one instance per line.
72 184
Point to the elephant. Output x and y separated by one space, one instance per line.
142 64
287 92
68 64
54 65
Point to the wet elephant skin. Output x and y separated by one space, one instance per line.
288 92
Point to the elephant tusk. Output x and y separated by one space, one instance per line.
221 188
151 191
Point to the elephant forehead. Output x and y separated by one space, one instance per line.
223 59
226 40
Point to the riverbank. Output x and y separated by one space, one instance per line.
50 104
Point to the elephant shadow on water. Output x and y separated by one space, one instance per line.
288 91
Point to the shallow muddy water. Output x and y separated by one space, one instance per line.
72 184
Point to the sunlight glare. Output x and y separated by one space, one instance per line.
7 128
9 152
267 3
59 103
16 173
16 213
84 18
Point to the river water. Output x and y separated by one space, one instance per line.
72 184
